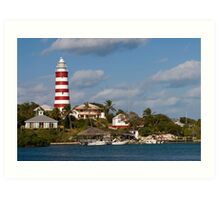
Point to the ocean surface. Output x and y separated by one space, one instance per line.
129 152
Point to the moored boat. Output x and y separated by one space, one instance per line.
151 141
96 143
120 142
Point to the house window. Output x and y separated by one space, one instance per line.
51 125
41 125
41 112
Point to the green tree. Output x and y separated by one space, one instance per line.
186 120
101 123
25 111
160 123
119 111
67 117
147 112
81 123
134 120
145 131
109 106
55 114
109 110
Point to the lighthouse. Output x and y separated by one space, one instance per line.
61 85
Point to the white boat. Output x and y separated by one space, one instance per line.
152 141
96 143
120 142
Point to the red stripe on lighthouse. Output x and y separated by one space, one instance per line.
62 90
62 98
61 74
61 82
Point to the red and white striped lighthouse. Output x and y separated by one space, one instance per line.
61 87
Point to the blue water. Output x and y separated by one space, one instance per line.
132 152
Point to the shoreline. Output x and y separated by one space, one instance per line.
57 143
78 143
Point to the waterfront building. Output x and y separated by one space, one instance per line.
62 97
93 134
41 121
88 110
120 121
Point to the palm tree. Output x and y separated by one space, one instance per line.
87 106
66 112
109 106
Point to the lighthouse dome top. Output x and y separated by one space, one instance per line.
61 60
61 63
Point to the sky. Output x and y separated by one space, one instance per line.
163 74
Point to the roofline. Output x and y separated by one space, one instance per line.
41 121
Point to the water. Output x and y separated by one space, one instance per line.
132 152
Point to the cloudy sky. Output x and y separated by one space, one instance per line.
163 74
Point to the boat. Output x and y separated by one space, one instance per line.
151 141
120 142
96 143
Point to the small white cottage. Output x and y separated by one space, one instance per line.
120 121
41 121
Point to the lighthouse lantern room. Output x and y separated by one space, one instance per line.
61 85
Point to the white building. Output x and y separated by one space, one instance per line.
43 108
86 111
120 121
179 123
41 121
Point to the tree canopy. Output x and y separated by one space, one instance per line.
25 111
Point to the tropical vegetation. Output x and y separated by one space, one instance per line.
150 123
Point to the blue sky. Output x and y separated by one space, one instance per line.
163 74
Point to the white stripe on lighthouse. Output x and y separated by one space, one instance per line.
61 87
61 79
62 70
61 102
61 94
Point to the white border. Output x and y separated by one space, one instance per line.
106 29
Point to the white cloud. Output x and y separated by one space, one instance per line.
183 74
87 78
76 96
38 93
170 101
194 93
31 88
99 46
116 93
